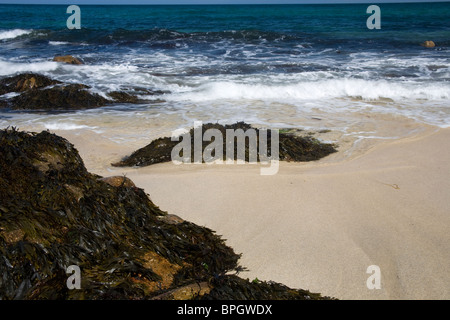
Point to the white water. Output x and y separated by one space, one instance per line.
11 34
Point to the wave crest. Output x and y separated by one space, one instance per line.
11 34
322 89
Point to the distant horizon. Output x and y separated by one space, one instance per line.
209 2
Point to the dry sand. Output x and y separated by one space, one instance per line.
318 226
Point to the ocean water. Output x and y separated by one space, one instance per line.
313 66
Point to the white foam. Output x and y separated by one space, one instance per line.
11 34
8 68
321 89
10 95
64 126
57 43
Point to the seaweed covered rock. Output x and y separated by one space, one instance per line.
55 214
235 288
123 97
70 96
291 147
38 92
24 82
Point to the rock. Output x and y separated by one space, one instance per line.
126 97
24 82
38 92
68 59
54 213
428 44
123 97
292 147
235 288
188 292
64 215
55 95
61 97
118 181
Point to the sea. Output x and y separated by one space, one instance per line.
315 67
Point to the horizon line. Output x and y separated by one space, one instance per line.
223 4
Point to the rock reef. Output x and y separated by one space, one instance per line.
54 214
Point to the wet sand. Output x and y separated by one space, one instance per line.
319 226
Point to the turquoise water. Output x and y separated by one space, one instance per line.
350 18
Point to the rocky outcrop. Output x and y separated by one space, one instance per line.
38 92
123 97
59 97
25 82
291 147
55 214
68 59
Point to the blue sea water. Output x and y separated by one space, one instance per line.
259 63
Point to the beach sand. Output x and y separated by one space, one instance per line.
320 225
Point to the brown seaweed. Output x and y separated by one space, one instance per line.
54 213
291 147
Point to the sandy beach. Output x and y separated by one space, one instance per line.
320 225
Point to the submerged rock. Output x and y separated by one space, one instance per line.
54 214
428 44
291 147
68 59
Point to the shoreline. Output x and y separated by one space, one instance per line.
319 225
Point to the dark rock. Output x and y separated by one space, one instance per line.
60 97
127 97
54 213
123 97
291 147
187 292
38 92
235 288
107 231
146 91
24 82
